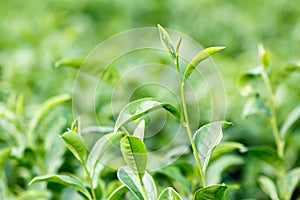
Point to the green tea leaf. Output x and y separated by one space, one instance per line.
139 130
99 149
199 58
267 155
249 83
69 62
34 194
224 148
292 179
75 144
128 178
213 192
255 105
218 166
174 173
138 108
268 186
205 139
118 193
280 74
289 121
167 42
4 154
169 194
64 180
264 56
135 154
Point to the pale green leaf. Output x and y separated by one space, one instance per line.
213 192
255 105
64 180
199 58
205 139
34 194
224 148
69 62
4 154
135 154
137 108
169 194
264 56
75 144
292 179
268 186
167 42
289 121
140 130
249 83
118 193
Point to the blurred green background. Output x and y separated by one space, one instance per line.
35 34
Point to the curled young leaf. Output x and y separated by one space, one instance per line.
199 58
167 42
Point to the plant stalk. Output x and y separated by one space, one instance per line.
90 181
273 119
185 122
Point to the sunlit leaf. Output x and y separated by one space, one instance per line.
135 154
34 194
213 192
268 186
128 178
75 144
137 108
199 58
169 194
224 148
205 139
289 121
167 42
69 62
64 180
139 130
292 179
264 56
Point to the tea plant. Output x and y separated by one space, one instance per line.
134 177
260 86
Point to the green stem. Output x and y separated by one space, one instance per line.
90 181
273 119
186 124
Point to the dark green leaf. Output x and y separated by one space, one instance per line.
169 194
137 108
135 154
167 42
64 180
205 139
268 186
213 192
199 58
75 144
269 156
224 148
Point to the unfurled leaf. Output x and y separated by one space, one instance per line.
292 179
169 194
268 186
199 58
64 180
135 154
174 174
69 62
118 193
289 121
75 144
167 42
249 83
99 149
213 192
137 108
218 166
34 194
128 178
255 105
4 154
267 155
224 148
139 130
205 139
